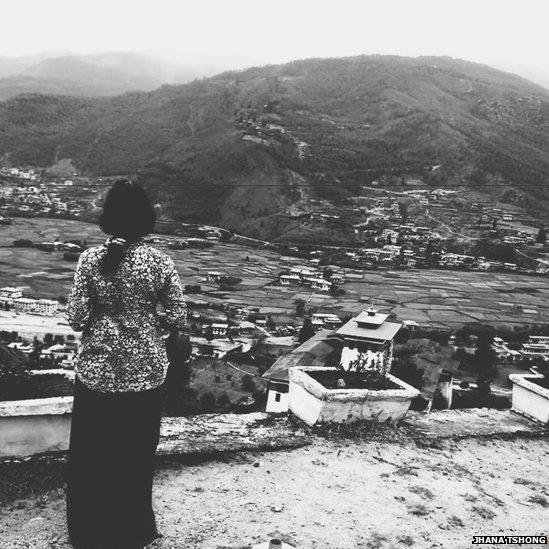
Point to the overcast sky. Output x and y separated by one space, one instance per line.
510 32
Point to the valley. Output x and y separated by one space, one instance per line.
428 297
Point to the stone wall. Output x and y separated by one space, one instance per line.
33 426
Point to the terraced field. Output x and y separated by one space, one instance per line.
436 297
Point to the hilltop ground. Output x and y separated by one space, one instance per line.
343 495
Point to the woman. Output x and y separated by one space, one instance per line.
120 368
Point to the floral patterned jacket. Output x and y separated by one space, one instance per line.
122 347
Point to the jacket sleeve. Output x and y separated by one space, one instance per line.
172 299
79 306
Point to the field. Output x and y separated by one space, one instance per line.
447 298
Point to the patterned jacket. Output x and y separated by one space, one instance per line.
122 347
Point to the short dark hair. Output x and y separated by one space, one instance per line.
127 211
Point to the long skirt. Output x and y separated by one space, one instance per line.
110 468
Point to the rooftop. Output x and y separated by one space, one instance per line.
381 332
314 352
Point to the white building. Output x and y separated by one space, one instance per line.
368 336
40 306
214 276
321 284
541 340
24 304
329 320
290 280
10 293
536 346
46 306
25 348
277 398
219 329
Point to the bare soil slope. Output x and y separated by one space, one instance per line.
345 496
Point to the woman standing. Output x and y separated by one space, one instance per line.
120 368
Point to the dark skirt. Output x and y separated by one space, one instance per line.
110 468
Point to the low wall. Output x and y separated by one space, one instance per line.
530 398
36 426
33 426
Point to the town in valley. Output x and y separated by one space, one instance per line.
407 253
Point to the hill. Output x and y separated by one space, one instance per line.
242 148
108 73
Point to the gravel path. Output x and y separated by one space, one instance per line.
345 495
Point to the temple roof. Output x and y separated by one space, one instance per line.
313 352
382 332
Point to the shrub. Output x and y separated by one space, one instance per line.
14 381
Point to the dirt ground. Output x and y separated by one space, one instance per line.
331 495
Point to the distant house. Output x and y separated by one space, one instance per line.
214 276
23 347
216 348
290 280
246 327
8 294
220 329
46 306
537 346
321 284
24 304
328 320
40 306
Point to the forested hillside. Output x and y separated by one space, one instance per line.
241 147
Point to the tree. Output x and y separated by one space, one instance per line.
306 332
248 384
541 237
207 402
176 393
271 324
299 307
14 376
223 401
485 360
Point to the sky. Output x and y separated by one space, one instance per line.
503 33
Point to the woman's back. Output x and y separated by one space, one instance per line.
122 348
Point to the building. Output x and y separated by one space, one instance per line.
46 306
25 348
219 329
537 346
328 320
368 336
542 340
214 276
9 293
290 280
216 348
24 304
316 351
40 306
321 284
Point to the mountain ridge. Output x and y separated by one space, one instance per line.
90 75
319 127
